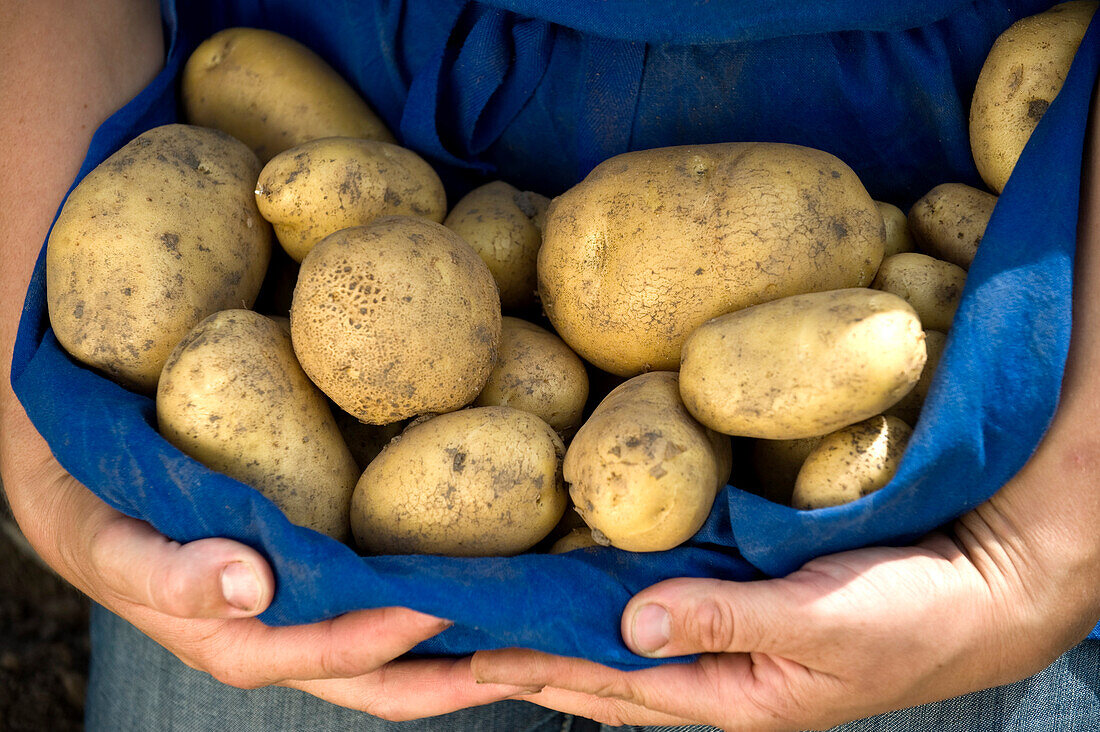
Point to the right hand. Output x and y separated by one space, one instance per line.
199 600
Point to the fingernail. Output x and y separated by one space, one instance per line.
652 628
241 586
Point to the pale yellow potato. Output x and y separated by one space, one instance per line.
536 372
851 463
575 539
933 287
272 93
474 483
641 471
233 397
949 221
777 462
908 409
1022 74
898 239
802 366
504 226
322 186
160 235
652 244
396 319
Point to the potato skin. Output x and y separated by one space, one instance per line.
933 287
641 471
575 539
536 372
396 319
157 237
949 221
652 244
898 239
1022 74
272 93
322 186
851 463
908 408
233 397
802 366
504 226
475 483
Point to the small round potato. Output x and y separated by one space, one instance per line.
802 366
851 463
575 539
160 235
233 397
641 471
322 186
396 319
949 222
272 93
933 287
777 463
365 440
536 372
504 226
474 483
908 409
1021 76
898 239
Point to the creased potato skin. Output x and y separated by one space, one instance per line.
396 319
802 366
233 397
932 286
504 226
157 237
1022 74
475 483
654 243
641 470
322 186
272 93
949 221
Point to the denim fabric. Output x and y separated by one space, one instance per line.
135 685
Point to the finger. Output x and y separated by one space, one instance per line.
209 578
685 616
613 712
405 690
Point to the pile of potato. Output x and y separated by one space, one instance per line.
750 290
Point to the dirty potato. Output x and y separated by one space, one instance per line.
933 287
949 221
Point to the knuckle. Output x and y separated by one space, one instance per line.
171 591
711 625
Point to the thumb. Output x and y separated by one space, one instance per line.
683 616
208 578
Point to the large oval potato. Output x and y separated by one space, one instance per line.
272 93
641 471
396 319
475 483
1021 76
233 397
933 287
949 221
536 372
160 235
652 244
504 226
802 366
319 187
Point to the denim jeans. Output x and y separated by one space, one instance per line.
135 685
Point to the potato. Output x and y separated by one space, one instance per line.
898 239
908 409
802 366
475 483
851 463
777 462
949 221
933 287
233 397
322 186
536 372
575 539
396 319
272 93
652 244
365 440
641 471
504 226
160 235
1021 76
